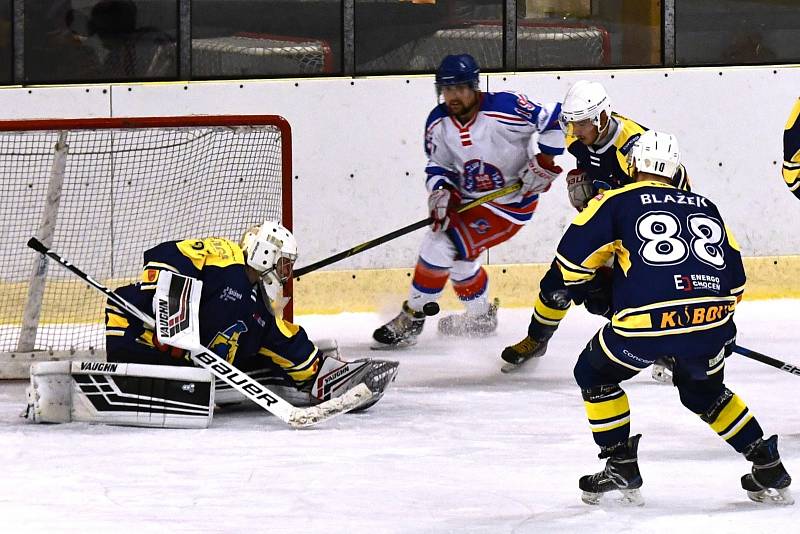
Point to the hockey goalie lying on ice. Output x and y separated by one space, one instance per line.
148 383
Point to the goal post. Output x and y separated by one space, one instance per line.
101 191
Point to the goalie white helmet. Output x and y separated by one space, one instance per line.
271 250
585 100
655 153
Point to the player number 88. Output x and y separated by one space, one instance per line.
663 245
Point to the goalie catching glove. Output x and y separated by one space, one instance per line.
337 376
442 203
539 174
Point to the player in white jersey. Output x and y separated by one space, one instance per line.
476 143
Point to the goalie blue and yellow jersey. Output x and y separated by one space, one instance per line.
677 268
791 150
607 164
236 320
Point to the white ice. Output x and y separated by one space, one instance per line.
454 446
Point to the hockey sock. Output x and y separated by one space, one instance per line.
472 292
730 418
547 314
609 414
427 285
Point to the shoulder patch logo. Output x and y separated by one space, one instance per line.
624 149
150 276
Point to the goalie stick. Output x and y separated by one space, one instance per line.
220 368
401 232
763 358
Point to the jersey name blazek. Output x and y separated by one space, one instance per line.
674 198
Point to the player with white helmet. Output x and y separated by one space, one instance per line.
239 317
270 251
476 143
600 140
675 279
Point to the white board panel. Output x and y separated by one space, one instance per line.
62 102
358 154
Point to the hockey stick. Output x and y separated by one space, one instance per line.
763 358
402 231
220 368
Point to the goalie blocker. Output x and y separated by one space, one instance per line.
126 394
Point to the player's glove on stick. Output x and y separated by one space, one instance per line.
579 188
443 203
174 352
538 175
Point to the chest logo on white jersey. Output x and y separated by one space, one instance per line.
480 176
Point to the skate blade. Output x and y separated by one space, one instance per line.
509 367
631 497
782 497
397 346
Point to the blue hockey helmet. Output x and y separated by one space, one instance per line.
458 69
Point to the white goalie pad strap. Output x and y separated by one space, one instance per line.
127 394
327 346
176 306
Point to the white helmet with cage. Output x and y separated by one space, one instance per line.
271 250
584 100
655 153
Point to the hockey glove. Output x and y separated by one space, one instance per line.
539 174
598 294
595 295
579 188
174 352
443 203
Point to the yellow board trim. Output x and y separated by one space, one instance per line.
373 290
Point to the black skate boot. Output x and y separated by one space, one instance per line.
402 331
768 481
621 473
466 325
521 352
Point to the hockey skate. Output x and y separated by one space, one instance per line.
663 370
468 325
516 355
400 332
621 473
336 376
768 481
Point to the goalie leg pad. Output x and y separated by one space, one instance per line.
121 394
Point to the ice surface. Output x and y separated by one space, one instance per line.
454 446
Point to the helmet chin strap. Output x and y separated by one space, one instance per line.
606 132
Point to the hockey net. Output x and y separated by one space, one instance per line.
253 54
100 192
539 45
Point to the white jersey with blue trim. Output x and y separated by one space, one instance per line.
492 149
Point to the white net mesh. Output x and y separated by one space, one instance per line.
240 55
538 46
123 191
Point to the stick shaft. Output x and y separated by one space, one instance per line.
400 232
763 358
